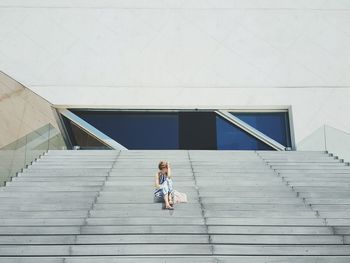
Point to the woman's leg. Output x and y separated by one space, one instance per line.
171 199
167 205
170 188
165 190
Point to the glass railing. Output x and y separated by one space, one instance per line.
28 128
330 139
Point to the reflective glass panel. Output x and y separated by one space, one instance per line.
230 137
136 130
273 124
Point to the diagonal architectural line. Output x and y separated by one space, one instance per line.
87 127
251 130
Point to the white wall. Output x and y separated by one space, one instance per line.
172 53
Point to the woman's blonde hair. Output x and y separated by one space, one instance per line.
162 164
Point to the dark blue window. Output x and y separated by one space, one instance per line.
136 130
180 130
273 124
230 137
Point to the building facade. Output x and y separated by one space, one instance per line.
184 74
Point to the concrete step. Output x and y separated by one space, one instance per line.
323 185
173 239
325 168
178 259
45 214
317 179
97 206
266 213
29 184
174 249
68 171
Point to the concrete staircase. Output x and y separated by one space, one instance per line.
244 206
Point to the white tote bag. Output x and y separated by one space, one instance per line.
179 197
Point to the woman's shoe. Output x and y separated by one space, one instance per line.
169 208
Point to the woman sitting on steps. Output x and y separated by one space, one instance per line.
164 185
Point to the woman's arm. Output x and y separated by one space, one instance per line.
156 184
169 170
